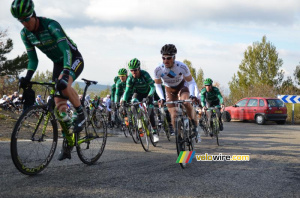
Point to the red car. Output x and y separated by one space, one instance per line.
259 109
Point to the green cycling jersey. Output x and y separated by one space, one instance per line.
142 85
209 97
51 39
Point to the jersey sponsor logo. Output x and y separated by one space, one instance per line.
75 64
171 74
69 57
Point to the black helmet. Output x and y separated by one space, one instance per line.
169 49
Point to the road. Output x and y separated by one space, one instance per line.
125 170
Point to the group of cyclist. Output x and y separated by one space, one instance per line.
48 36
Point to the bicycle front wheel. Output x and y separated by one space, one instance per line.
143 136
216 129
167 129
180 139
34 140
91 141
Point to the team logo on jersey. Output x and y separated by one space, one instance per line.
171 74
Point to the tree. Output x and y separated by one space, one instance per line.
41 77
77 88
105 92
259 72
197 75
297 74
9 69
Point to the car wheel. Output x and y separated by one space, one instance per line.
226 117
260 119
281 122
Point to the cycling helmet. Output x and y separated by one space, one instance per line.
134 64
22 8
122 72
39 96
168 49
4 96
116 79
208 81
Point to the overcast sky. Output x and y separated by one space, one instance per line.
212 34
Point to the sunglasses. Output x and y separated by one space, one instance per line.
167 57
134 70
25 19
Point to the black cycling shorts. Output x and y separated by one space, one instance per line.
76 68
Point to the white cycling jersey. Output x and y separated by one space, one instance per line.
172 76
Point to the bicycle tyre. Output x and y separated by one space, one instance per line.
180 139
191 141
144 137
24 148
134 133
91 141
167 129
216 129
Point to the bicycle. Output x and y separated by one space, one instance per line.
161 119
183 132
128 122
144 126
35 135
214 128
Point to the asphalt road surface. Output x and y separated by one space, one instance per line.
126 170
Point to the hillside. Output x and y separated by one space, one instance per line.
93 88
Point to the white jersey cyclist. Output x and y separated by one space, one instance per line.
173 76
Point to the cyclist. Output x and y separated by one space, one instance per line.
165 110
39 100
113 92
47 35
120 85
211 97
141 84
179 84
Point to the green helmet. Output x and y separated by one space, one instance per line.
22 8
134 64
122 72
208 81
116 79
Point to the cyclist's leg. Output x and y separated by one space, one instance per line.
184 94
172 95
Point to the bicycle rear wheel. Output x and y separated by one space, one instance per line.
134 133
180 139
91 141
34 140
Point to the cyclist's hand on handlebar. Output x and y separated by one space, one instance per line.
223 107
63 82
194 99
161 102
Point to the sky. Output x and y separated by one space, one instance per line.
212 34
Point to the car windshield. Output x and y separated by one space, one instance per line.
275 103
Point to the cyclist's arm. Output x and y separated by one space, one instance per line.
32 56
128 90
58 33
202 97
150 82
192 84
159 89
220 97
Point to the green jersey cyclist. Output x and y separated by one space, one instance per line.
140 82
48 36
211 97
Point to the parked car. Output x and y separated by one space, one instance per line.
259 109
